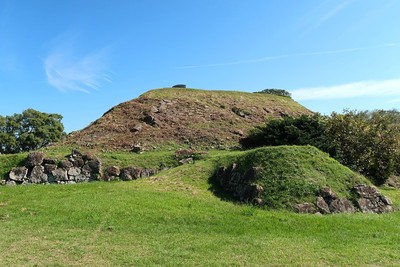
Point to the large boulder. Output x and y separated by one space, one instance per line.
34 159
95 166
341 205
370 200
111 173
322 206
38 176
305 208
59 175
18 174
66 164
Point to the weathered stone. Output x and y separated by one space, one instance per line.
95 165
48 161
59 175
74 171
34 159
328 195
80 178
163 107
146 173
370 200
136 128
86 170
89 157
111 173
79 162
18 174
341 205
305 208
76 153
150 120
37 175
238 132
128 174
322 205
11 182
137 148
153 109
186 161
66 164
48 168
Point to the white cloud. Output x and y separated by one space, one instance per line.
67 72
388 88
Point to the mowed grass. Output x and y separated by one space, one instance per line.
173 219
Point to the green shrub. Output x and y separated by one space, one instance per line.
273 91
367 142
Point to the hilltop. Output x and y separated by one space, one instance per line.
182 117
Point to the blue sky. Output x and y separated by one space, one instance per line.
80 58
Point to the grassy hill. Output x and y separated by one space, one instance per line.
175 219
295 174
172 117
180 217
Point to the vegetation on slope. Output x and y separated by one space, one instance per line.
172 117
172 219
295 174
367 142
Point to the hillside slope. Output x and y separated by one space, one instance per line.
183 117
289 175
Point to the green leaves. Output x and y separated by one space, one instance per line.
29 131
367 142
273 91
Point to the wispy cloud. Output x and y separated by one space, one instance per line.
333 12
268 58
68 72
388 88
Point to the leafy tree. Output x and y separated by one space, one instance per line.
30 130
273 91
367 142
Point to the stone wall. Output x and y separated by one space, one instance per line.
75 168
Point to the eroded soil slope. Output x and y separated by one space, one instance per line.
182 117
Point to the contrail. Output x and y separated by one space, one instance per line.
268 58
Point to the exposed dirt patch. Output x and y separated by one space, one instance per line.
214 119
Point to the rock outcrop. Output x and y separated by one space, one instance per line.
37 169
76 168
367 199
243 186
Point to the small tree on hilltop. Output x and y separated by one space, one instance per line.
273 91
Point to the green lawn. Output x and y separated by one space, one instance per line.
173 219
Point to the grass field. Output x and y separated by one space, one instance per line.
174 219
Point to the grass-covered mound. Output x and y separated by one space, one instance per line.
283 176
173 219
171 117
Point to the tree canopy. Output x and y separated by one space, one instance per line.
29 131
367 142
273 91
